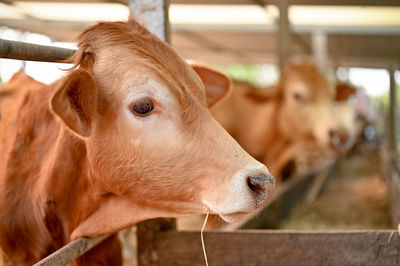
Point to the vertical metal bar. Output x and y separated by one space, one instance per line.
319 49
152 13
284 38
167 25
392 113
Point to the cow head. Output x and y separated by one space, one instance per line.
153 148
309 108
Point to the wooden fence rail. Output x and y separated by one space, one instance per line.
278 247
33 52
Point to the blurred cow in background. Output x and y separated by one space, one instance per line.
296 118
345 116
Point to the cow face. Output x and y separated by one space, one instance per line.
154 150
308 106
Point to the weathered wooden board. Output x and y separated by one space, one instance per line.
146 235
287 248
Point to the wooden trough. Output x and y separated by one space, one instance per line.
160 244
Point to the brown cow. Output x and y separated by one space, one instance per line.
127 136
277 123
346 120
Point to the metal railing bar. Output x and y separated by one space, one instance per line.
70 251
33 52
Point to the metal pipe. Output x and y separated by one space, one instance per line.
71 251
393 104
33 52
284 34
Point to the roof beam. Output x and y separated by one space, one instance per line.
124 2
294 2
346 2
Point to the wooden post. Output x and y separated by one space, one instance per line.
147 235
284 38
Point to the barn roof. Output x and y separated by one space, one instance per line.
226 31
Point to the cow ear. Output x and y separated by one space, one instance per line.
216 83
74 102
344 91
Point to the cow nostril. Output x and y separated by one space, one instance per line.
257 183
338 137
260 186
332 133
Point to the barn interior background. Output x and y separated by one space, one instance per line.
355 42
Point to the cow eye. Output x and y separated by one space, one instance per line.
142 107
299 97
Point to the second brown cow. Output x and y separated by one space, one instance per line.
279 123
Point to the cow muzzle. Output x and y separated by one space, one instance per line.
340 140
248 190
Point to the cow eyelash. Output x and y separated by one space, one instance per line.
142 107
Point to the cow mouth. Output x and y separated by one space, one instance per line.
233 217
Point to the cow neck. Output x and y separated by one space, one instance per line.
75 199
43 184
65 182
71 193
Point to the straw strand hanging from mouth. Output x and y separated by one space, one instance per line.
202 238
